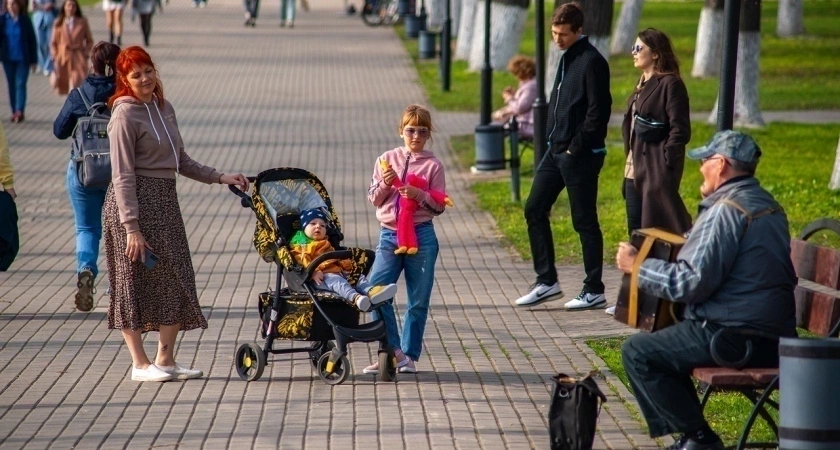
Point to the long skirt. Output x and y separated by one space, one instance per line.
142 298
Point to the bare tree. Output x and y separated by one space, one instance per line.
834 184
466 28
747 111
437 14
790 22
596 25
708 43
507 24
626 29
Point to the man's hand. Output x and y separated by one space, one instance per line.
626 257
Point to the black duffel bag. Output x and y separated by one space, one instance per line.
573 414
649 130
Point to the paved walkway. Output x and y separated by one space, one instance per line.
325 96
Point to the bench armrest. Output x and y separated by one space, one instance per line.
749 333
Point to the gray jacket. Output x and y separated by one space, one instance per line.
733 270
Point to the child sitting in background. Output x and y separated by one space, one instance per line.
311 242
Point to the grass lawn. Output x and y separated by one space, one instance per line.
801 73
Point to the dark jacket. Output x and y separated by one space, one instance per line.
579 111
658 166
97 88
732 271
30 45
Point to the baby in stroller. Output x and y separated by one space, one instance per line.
310 242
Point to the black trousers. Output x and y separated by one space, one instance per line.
633 206
146 26
579 176
659 367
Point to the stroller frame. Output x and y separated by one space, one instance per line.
328 358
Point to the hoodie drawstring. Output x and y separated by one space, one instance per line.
163 122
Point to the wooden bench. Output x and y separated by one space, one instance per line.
817 310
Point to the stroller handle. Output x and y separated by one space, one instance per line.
245 198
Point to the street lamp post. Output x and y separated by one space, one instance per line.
487 69
540 107
489 137
729 61
446 49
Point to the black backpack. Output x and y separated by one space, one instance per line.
573 412
91 146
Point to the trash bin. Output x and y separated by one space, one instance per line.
426 44
403 7
413 25
809 395
489 147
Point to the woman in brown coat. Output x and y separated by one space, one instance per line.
70 48
656 129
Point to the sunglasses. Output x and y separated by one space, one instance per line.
636 49
420 132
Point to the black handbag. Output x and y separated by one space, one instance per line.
573 413
9 237
649 130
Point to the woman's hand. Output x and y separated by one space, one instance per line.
238 180
410 192
389 175
135 246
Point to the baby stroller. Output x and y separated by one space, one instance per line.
298 311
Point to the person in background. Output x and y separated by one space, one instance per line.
519 103
415 128
70 48
578 115
150 270
114 19
19 53
87 202
288 8
655 156
145 9
9 236
43 16
7 172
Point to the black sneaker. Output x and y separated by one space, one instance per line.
687 443
84 297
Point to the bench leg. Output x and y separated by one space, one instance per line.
759 409
706 391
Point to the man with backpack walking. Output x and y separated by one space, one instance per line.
87 201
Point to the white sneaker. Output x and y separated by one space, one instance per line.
362 302
539 294
587 300
379 294
610 310
180 372
151 373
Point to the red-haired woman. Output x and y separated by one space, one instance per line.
150 271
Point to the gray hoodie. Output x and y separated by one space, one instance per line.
145 141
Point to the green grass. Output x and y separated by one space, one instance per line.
725 412
800 73
795 168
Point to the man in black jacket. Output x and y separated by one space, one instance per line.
578 114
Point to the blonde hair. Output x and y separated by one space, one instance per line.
416 115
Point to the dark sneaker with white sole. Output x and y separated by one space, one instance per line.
84 297
540 293
587 300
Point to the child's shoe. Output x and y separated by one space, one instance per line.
362 302
379 294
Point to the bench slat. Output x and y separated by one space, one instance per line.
723 378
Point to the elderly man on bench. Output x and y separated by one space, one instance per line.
733 271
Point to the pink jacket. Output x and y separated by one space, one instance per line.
386 198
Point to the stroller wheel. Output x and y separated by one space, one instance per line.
387 369
315 355
337 373
250 362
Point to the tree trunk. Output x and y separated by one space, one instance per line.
834 184
789 23
747 112
626 29
707 52
507 24
466 28
596 25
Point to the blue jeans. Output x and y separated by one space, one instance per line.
17 74
419 278
334 282
287 10
87 208
43 23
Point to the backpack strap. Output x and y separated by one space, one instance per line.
88 105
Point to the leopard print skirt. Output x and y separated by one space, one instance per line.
141 298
